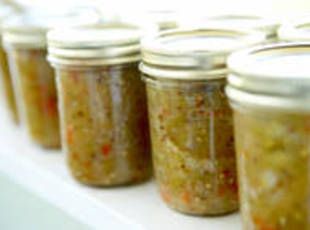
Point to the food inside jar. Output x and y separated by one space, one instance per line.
104 124
37 95
193 146
273 152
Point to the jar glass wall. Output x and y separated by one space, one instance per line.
104 124
275 146
192 142
7 86
36 94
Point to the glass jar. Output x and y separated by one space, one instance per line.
102 104
24 39
190 119
269 92
296 30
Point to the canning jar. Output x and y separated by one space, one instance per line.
190 119
269 91
6 81
102 104
24 39
296 30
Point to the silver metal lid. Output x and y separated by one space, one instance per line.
95 45
276 75
297 30
29 30
191 54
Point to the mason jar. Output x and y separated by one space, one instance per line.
103 110
269 92
24 39
190 119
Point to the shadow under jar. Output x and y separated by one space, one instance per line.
269 92
102 104
190 119
34 81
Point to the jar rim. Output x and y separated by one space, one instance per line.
29 30
271 71
180 74
242 98
193 52
91 45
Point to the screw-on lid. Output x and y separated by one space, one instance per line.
29 30
96 45
264 24
276 75
193 53
297 30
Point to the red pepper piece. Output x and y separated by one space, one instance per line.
51 106
234 187
186 197
106 149
227 173
262 225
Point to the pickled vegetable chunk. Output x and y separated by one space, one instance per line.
36 91
8 86
104 124
273 151
192 142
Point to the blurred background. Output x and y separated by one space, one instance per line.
187 10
